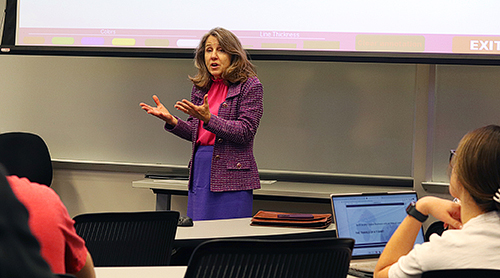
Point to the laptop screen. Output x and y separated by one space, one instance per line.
370 219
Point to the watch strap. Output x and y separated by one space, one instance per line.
413 212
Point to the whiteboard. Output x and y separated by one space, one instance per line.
349 118
467 98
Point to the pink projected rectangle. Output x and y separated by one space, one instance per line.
265 40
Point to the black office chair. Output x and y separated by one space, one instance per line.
128 238
184 248
254 258
435 228
462 273
26 155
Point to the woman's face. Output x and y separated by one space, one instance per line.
216 59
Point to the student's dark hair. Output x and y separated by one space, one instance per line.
240 68
477 165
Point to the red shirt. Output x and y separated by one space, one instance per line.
51 225
216 95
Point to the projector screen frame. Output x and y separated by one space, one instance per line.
8 46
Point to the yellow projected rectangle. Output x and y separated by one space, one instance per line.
391 43
156 42
321 45
123 42
279 45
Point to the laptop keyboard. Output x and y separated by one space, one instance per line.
359 273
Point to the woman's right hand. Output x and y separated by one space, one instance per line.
444 210
159 111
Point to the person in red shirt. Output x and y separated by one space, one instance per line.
19 250
50 223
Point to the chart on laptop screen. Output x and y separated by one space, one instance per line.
370 219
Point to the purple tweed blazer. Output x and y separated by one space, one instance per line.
233 163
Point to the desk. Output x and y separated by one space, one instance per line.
276 191
237 228
145 272
187 238
141 271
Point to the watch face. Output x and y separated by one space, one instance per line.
412 211
411 205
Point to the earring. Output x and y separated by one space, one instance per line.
496 197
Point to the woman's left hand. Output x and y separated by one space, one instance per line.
201 112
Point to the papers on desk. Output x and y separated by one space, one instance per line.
173 181
186 181
181 180
292 220
267 181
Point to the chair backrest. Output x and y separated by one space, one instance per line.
435 228
128 238
462 273
26 155
254 258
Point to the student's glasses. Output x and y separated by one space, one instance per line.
452 153
450 166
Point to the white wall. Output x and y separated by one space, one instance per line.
100 191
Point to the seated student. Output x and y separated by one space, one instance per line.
19 250
473 238
51 224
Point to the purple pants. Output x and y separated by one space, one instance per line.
206 205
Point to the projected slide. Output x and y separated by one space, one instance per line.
425 26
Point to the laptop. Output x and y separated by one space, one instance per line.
370 219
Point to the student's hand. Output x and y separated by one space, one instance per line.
159 111
201 112
444 210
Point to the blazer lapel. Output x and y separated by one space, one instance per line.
233 90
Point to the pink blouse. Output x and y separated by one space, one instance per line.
216 95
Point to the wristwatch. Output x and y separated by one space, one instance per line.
413 212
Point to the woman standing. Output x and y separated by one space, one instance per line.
224 114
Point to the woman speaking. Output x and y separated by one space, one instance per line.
224 114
